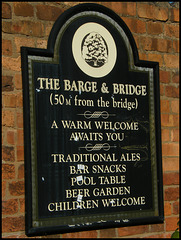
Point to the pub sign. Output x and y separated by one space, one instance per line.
91 127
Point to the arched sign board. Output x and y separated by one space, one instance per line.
91 127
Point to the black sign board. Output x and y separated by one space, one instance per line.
91 127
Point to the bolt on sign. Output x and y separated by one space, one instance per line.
91 127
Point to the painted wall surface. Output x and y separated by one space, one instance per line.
155 28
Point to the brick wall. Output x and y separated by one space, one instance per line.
155 27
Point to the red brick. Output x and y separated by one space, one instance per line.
18 235
9 100
19 120
162 89
161 45
146 43
8 154
164 76
137 40
175 106
16 188
23 9
3 138
169 120
154 28
133 230
23 41
26 27
156 44
176 46
130 8
176 208
52 236
166 120
48 28
163 235
124 8
175 77
71 4
6 10
175 135
171 61
171 223
3 188
22 205
48 13
35 29
174 15
10 207
13 224
18 81
9 27
7 84
13 64
136 26
20 153
157 227
170 149
21 171
8 171
6 47
8 118
172 91
172 30
170 164
107 233
164 45
156 58
19 99
171 178
165 106
171 194
11 137
152 12
176 120
143 56
84 234
167 208
41 43
165 135
20 137
106 4
140 26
